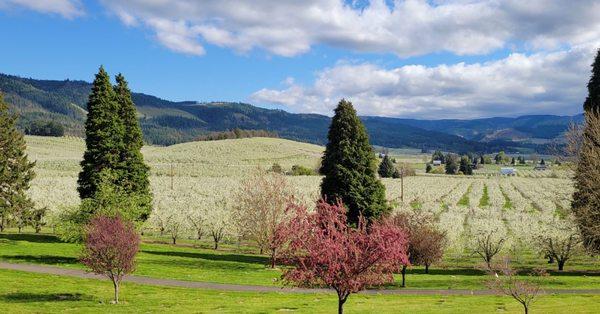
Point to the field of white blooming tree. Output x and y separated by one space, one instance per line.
192 184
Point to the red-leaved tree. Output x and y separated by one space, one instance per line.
325 251
111 245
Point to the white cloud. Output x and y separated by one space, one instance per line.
539 83
66 8
406 28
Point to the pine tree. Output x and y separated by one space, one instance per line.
586 199
134 172
386 168
16 172
451 164
104 132
465 166
349 167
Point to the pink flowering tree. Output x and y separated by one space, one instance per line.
110 247
324 251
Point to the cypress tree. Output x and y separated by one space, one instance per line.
349 166
586 198
386 168
16 172
104 132
134 172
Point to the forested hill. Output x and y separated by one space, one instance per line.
165 122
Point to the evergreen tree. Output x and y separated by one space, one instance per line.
134 172
586 199
465 166
104 132
438 155
16 172
543 162
482 160
451 164
513 161
386 167
428 168
349 166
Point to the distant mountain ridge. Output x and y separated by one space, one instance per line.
166 122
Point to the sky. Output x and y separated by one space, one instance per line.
413 59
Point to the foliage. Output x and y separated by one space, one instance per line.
425 242
16 172
236 133
113 144
324 250
465 166
45 128
386 167
586 199
349 167
104 133
111 245
452 163
133 170
299 170
259 207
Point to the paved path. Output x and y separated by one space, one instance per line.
52 270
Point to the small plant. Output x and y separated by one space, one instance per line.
110 247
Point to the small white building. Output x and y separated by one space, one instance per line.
508 171
437 162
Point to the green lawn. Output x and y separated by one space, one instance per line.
22 292
197 262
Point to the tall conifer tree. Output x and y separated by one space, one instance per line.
15 169
104 131
134 179
350 166
586 199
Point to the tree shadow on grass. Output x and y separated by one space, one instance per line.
41 259
20 297
215 257
36 238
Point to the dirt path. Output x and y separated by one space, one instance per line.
52 270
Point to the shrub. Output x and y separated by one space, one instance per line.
111 245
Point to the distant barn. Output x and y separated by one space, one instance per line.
437 162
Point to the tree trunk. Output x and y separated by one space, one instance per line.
38 229
561 265
19 229
341 301
550 259
216 244
273 256
426 268
526 309
116 284
403 276
174 240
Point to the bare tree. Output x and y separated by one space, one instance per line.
505 281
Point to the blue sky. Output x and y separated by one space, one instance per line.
447 59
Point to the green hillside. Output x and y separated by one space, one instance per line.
165 122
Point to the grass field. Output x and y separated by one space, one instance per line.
196 261
34 293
